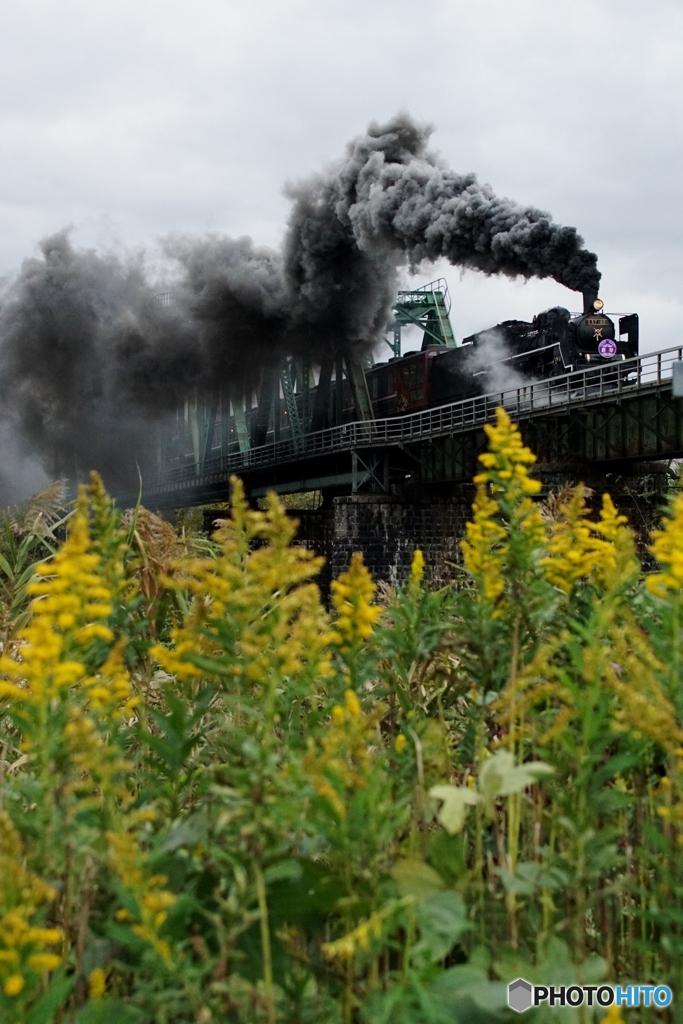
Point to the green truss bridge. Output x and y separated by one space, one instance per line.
607 416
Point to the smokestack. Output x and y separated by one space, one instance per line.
589 298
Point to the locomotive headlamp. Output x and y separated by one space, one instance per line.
598 304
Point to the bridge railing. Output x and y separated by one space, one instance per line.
582 387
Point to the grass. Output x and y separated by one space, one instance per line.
220 802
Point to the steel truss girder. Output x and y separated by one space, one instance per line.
369 465
637 429
290 400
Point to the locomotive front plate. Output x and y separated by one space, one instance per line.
607 348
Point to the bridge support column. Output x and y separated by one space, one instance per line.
387 528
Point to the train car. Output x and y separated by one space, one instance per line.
403 384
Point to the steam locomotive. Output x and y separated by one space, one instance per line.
555 343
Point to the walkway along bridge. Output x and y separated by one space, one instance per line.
607 417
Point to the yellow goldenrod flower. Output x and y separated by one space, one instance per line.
417 571
14 985
97 983
352 594
502 506
130 864
400 743
44 936
94 631
44 961
362 936
579 549
611 521
667 548
147 932
484 552
146 814
613 1015
156 901
326 790
23 896
72 595
352 706
342 765
265 592
338 715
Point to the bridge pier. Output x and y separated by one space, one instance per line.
387 528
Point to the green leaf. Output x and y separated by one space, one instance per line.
124 936
108 1011
456 800
446 853
307 898
499 776
456 979
44 1010
28 573
188 833
409 1002
179 733
6 568
212 666
465 990
442 919
530 876
554 967
415 878
467 993
284 870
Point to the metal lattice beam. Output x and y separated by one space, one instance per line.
290 400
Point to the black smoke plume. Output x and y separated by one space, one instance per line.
392 200
91 360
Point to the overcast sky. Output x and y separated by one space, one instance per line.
132 119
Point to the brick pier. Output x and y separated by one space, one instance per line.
388 528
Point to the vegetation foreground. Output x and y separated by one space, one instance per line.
218 803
